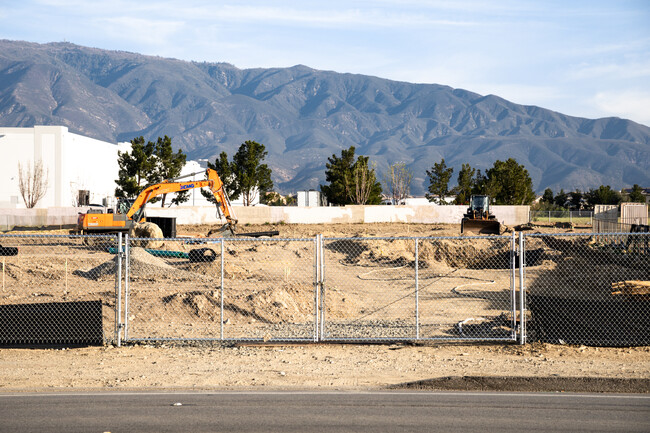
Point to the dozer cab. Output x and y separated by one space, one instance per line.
478 219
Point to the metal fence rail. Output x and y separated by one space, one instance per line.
573 288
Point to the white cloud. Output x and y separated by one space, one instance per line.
634 105
146 31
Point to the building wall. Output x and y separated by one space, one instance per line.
72 162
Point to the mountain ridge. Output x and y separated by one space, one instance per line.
303 115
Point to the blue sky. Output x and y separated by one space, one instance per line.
582 58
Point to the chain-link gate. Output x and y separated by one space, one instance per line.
444 288
221 289
58 289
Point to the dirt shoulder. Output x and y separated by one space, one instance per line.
542 367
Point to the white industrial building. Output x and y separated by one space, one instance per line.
73 163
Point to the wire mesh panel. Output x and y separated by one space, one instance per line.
369 289
269 289
57 289
230 289
466 289
589 289
417 288
169 295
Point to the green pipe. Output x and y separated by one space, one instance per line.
159 253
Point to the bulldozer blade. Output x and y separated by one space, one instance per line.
480 227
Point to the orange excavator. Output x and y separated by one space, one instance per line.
127 215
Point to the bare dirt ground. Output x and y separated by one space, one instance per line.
537 366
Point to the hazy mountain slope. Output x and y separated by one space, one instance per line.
304 115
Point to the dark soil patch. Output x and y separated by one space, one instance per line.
530 384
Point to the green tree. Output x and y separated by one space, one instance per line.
480 183
465 184
251 175
135 168
339 173
636 195
439 177
509 183
603 195
548 196
168 166
148 163
576 199
226 173
561 198
350 181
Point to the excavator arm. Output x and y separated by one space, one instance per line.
213 181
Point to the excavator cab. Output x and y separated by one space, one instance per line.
478 219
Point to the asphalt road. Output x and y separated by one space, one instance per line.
323 412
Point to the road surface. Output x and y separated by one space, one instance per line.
323 412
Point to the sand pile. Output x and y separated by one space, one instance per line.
141 264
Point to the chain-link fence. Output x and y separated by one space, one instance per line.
58 289
576 217
576 288
589 289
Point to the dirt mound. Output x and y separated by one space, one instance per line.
147 230
454 253
289 302
141 263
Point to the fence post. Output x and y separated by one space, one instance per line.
321 266
221 291
127 251
417 291
513 285
522 290
118 288
316 286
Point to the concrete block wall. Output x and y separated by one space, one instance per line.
417 214
47 217
423 214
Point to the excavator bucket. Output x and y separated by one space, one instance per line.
480 227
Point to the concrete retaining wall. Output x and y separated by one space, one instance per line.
426 214
48 217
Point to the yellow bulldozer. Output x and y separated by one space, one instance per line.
478 219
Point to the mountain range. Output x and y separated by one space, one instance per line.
303 116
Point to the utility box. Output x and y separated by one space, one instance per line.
311 199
